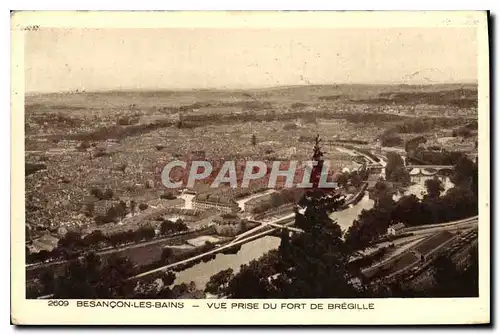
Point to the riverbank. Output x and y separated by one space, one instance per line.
257 246
201 272
149 251
357 197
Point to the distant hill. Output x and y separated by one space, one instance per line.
286 95
427 76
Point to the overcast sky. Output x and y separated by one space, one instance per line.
104 59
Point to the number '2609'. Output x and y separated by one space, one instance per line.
58 303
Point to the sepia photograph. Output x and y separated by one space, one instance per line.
222 159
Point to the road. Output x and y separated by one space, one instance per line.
401 245
436 167
453 225
211 252
263 224
464 224
297 230
111 250
241 202
245 237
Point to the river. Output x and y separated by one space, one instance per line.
201 272
347 216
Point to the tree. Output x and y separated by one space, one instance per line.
166 227
108 194
71 240
413 144
342 180
94 238
370 225
462 132
166 254
90 278
112 214
408 210
28 255
168 196
145 233
114 278
390 139
89 209
84 145
469 279
218 283
169 227
465 174
434 187
168 278
382 194
395 169
254 140
181 289
96 192
458 203
122 209
252 279
48 281
132 206
445 275
355 178
27 235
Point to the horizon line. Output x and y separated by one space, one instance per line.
250 88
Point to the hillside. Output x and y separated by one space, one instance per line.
277 95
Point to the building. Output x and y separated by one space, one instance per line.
395 229
46 242
167 203
220 206
102 207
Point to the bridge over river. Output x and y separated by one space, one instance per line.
419 170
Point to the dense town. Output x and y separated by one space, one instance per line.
405 163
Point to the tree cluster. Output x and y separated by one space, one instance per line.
395 169
285 196
72 245
114 214
391 139
99 194
459 202
171 227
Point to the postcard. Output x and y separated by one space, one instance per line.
250 168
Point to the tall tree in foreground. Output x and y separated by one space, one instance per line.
317 202
312 264
315 262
